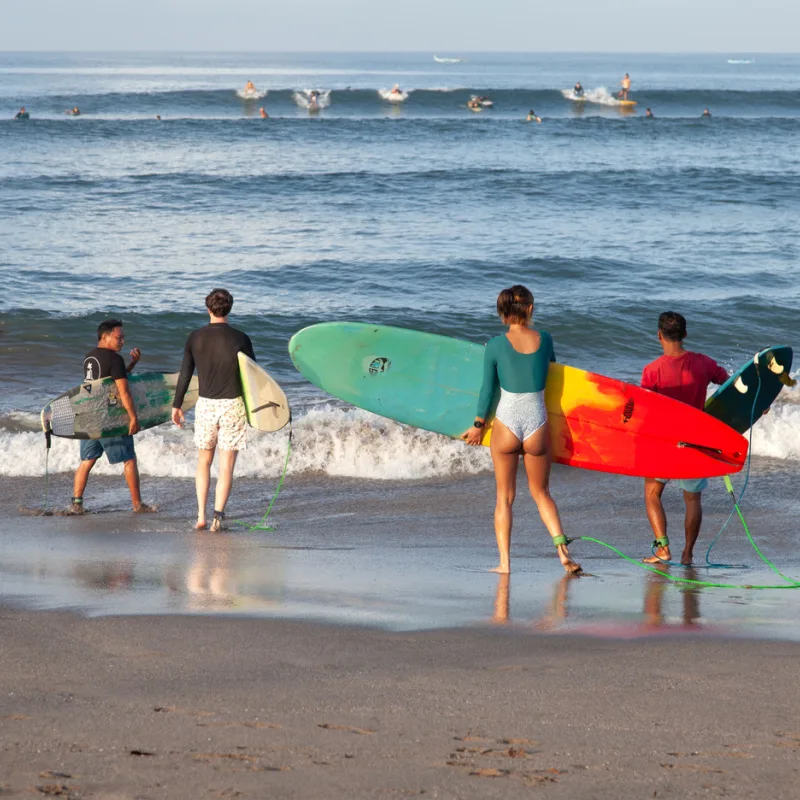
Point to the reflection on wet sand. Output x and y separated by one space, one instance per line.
653 615
655 587
550 620
215 578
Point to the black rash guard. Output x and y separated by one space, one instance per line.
213 350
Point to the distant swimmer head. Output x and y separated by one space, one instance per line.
219 302
706 112
263 113
515 305
672 326
648 112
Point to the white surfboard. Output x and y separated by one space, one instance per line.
93 410
266 404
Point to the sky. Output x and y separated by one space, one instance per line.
435 26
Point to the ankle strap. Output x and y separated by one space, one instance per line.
559 540
662 541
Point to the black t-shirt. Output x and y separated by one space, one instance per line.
103 363
213 350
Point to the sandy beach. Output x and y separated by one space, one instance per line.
175 707
363 650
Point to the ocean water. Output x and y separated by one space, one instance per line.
413 214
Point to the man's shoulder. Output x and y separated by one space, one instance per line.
654 364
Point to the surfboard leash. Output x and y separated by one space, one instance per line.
261 525
48 441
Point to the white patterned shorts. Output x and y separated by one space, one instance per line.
220 423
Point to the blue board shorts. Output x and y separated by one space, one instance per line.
117 449
691 485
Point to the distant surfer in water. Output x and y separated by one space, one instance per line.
313 100
649 113
220 418
706 112
532 117
625 83
685 376
578 90
249 87
22 114
518 362
73 112
106 362
396 89
262 113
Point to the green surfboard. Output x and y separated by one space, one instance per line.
741 399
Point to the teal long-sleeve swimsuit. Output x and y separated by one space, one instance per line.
513 371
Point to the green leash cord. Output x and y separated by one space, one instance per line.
261 525
791 584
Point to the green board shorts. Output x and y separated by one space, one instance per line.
690 485
118 449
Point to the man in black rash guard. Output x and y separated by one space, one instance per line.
220 417
106 362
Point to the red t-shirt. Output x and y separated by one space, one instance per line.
684 377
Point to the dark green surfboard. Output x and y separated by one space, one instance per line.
741 398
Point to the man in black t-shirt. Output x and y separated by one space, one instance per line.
220 418
106 362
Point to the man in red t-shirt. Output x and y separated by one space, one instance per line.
682 375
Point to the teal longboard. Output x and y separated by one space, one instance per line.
93 410
741 399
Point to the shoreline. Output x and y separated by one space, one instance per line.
174 707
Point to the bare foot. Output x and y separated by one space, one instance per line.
686 559
503 569
662 554
143 508
200 525
571 567
75 509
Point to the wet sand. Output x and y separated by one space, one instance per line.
362 649
177 707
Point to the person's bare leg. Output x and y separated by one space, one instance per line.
653 490
131 470
79 484
82 476
227 461
537 467
202 479
505 456
692 523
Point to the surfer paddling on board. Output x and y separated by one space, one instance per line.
577 90
518 362
625 83
682 375
220 417
106 362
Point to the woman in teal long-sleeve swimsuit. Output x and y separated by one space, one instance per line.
518 361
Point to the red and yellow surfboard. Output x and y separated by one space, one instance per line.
432 382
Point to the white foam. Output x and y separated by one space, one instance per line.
303 99
329 441
777 434
252 94
393 97
600 95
